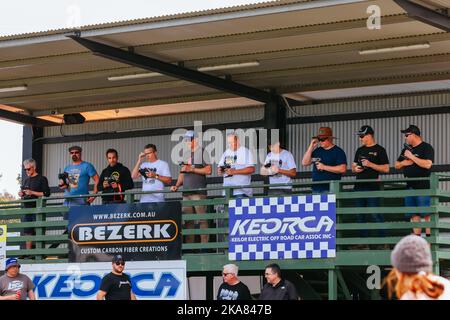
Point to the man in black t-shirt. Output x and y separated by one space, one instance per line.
416 160
115 178
194 169
370 160
33 187
116 285
232 288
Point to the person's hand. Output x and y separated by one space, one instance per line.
173 188
320 166
90 199
275 169
105 184
314 143
186 168
229 171
359 169
21 194
28 192
366 163
12 297
114 185
141 156
220 171
150 174
408 154
63 185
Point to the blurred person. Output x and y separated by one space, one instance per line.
232 288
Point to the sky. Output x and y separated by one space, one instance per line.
24 16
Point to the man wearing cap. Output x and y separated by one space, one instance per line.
370 159
194 169
157 174
116 285
416 160
15 285
79 174
115 178
280 166
330 161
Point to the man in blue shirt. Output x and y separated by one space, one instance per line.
330 161
77 179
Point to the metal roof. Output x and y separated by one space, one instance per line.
300 46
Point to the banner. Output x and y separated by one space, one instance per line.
151 280
139 232
3 233
292 227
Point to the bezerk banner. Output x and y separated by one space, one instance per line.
139 232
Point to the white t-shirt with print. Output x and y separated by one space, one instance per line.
283 160
239 159
152 184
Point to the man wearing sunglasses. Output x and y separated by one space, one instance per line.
79 174
232 288
33 187
116 285
330 161
15 285
370 159
416 160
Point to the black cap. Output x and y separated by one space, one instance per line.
365 130
118 257
78 148
412 129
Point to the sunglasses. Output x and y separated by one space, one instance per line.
28 169
362 136
119 263
322 139
407 135
225 274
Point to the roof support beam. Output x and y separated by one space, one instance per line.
425 15
24 119
172 70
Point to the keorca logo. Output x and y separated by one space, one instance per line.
124 232
285 225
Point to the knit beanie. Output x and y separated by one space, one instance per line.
411 255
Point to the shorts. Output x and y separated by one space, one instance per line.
418 201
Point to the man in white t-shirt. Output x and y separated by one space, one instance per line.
155 174
236 166
281 168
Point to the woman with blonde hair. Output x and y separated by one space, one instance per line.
412 277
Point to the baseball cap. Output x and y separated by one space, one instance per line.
412 255
412 129
78 148
324 132
118 257
190 134
11 262
365 130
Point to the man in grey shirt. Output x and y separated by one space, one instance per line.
194 170
14 285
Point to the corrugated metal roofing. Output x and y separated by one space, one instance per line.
256 5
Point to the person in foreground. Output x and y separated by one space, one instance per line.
412 277
276 287
116 285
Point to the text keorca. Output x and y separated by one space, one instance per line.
292 225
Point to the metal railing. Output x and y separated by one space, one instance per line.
51 244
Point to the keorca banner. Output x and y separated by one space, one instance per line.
292 227
139 232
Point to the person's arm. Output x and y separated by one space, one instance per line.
101 295
135 173
377 167
290 173
356 168
101 182
133 296
246 170
96 181
206 170
31 295
340 168
10 297
423 163
179 183
292 292
306 161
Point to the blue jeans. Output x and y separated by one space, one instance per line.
419 201
362 218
